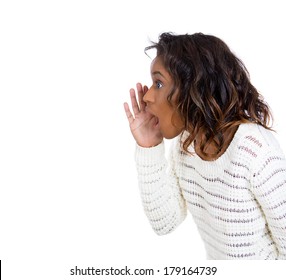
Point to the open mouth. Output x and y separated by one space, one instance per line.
155 119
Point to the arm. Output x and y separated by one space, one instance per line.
161 196
269 188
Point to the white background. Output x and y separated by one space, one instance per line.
68 188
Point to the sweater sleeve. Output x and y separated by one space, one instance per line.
269 188
161 195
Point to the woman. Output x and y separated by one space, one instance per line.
225 165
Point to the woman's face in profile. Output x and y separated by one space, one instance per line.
169 120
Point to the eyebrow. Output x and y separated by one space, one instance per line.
158 73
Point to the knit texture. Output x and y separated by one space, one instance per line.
238 201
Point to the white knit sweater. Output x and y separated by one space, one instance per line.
237 201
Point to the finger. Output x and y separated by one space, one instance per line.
145 89
134 102
128 113
143 104
141 93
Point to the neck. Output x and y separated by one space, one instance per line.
211 151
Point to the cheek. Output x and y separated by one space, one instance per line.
177 121
171 125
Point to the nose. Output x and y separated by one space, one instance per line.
149 96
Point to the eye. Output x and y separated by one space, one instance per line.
158 84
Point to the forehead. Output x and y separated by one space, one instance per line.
157 62
157 65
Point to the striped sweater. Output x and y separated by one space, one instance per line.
238 201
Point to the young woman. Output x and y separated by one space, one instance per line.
225 165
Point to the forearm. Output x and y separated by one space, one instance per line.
161 196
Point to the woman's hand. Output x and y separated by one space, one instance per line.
143 125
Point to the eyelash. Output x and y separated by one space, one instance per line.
158 82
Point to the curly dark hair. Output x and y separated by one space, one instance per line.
215 92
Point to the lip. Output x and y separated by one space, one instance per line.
148 110
157 121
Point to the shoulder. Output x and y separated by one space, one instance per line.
258 139
260 149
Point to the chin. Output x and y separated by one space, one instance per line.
171 135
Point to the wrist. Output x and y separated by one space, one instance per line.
149 145
152 155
